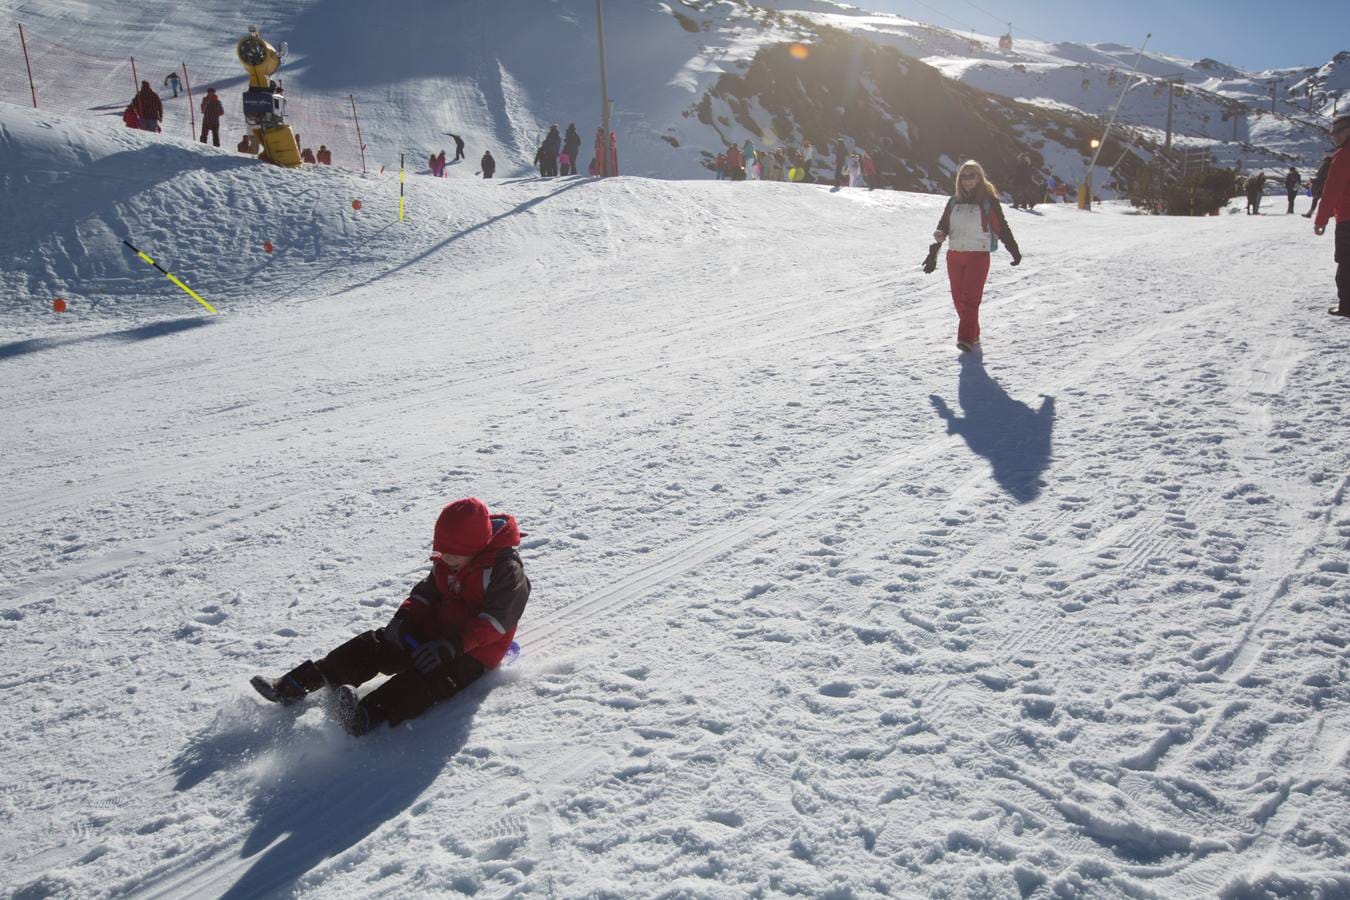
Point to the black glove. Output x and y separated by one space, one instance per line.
930 262
431 655
1016 257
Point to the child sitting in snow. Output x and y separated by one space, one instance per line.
457 623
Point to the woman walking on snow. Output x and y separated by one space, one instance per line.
974 222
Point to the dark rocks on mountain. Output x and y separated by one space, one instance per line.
905 113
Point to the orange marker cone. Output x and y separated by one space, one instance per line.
267 246
59 304
356 204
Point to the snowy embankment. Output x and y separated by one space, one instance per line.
817 609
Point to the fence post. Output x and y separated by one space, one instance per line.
28 65
360 143
191 107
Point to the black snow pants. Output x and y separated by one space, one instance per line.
1343 266
406 695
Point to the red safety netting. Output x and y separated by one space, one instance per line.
51 76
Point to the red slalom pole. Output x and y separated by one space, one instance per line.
28 65
191 109
359 142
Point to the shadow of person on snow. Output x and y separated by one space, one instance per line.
1015 438
321 793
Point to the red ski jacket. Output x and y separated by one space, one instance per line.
148 105
212 110
479 606
1336 192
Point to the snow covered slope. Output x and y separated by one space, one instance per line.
817 608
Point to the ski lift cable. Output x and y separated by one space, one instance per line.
1001 20
950 18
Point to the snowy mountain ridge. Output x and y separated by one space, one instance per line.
499 72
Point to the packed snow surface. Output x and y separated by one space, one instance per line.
819 608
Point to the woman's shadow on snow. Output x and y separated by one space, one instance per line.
1015 438
324 794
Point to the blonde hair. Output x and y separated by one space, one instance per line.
984 179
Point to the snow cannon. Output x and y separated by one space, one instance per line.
264 101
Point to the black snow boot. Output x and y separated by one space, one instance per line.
355 718
291 687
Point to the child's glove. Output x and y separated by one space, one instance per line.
930 262
431 655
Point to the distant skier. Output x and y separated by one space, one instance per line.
548 153
869 171
1256 187
747 152
307 156
212 110
456 624
324 156
440 164
974 221
572 147
840 160
854 167
130 117
487 164
1336 202
1023 187
459 145
1319 181
1291 183
736 166
172 81
148 107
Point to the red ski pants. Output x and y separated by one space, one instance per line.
967 270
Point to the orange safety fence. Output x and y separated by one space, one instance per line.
35 72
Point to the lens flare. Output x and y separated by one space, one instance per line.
799 51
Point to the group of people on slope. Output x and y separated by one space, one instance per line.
437 162
794 164
145 112
557 154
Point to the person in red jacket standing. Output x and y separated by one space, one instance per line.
1336 201
212 110
457 623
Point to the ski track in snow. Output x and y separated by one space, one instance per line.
818 608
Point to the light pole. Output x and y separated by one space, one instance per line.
1085 192
604 87
1173 85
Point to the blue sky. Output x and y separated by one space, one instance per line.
1252 35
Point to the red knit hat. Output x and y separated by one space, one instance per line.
463 528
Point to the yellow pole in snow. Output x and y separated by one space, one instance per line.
172 277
